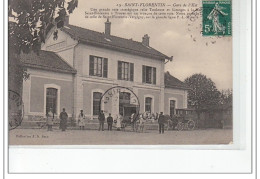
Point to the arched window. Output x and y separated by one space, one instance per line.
96 102
148 104
51 100
172 107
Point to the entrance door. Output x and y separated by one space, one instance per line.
124 99
129 110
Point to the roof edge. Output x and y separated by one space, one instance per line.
49 69
177 87
84 41
120 49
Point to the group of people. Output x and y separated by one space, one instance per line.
101 118
136 121
63 119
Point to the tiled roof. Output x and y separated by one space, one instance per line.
112 42
46 60
172 82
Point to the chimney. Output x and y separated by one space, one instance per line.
146 40
66 20
107 27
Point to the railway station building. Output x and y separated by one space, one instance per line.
76 66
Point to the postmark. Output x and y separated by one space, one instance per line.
15 109
120 100
216 18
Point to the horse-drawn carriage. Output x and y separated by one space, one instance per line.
183 119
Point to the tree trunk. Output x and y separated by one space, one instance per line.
15 86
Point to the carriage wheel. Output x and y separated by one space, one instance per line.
179 126
191 124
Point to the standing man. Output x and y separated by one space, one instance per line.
81 121
63 120
161 123
101 119
109 122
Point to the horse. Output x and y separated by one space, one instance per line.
130 121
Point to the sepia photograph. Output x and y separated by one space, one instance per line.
120 72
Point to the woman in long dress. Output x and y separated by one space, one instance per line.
214 17
50 117
63 120
118 122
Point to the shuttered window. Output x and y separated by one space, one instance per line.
119 71
105 68
98 66
125 71
149 75
144 73
154 75
131 72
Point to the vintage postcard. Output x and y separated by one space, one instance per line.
120 72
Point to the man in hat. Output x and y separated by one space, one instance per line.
109 122
161 123
101 119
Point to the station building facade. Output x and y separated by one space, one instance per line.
76 66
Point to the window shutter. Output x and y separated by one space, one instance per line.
91 65
105 68
154 76
144 74
131 72
119 70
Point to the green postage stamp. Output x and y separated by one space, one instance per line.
217 18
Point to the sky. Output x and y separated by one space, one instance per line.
192 53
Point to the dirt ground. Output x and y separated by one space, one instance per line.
94 137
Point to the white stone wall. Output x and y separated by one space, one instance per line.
179 95
113 58
51 78
63 46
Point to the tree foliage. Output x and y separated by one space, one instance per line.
30 21
226 97
203 93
